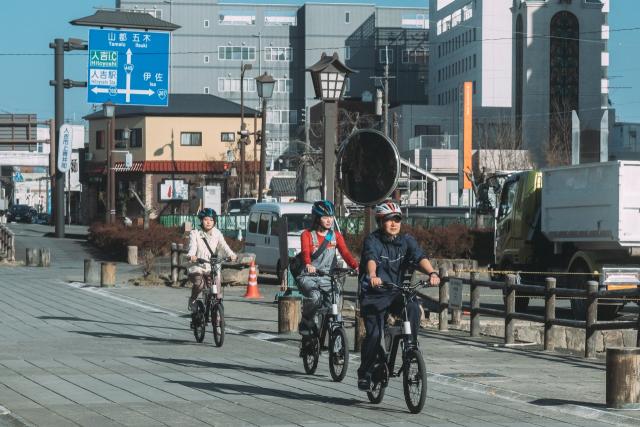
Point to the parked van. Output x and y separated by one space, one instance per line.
262 231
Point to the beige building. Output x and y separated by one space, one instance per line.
175 149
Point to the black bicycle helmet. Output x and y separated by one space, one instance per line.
208 212
323 208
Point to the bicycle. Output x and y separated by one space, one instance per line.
413 370
211 308
331 325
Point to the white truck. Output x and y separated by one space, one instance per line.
576 219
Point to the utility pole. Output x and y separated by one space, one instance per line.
385 89
59 83
243 128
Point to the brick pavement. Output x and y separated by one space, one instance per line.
125 356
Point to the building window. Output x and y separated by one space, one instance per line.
135 138
282 86
230 84
385 53
347 53
347 85
467 11
347 17
417 21
99 140
414 56
236 17
206 90
205 23
191 138
282 117
277 54
237 53
280 17
474 61
206 59
227 137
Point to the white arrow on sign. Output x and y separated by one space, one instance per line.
127 68
149 92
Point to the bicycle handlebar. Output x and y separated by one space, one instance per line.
407 286
334 273
213 260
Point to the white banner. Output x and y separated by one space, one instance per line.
65 143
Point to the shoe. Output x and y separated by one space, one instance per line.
305 328
364 383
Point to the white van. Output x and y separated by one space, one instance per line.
262 231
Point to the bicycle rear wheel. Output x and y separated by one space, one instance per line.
310 354
198 320
379 381
414 381
217 321
338 354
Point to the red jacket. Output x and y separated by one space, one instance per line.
306 242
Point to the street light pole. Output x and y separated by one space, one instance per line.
109 113
58 189
265 84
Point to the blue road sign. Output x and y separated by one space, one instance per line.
18 177
128 67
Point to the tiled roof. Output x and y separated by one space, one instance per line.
182 105
122 19
169 166
282 186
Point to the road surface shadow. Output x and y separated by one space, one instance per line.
133 337
561 402
192 363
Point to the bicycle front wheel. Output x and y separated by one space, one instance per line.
198 320
217 321
379 381
310 354
414 381
338 354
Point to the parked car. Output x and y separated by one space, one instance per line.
43 218
21 213
262 231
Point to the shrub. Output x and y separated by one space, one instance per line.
155 241
452 241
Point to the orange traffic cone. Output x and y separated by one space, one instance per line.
252 286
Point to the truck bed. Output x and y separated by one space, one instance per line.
595 204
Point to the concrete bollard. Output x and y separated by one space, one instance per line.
132 255
108 274
45 257
288 314
623 378
91 272
32 257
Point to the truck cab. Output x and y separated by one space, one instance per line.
517 219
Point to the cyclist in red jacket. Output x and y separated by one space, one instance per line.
319 256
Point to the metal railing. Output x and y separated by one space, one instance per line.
7 243
550 292
446 142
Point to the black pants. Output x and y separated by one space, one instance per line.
374 309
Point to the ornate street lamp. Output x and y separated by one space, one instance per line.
265 84
328 76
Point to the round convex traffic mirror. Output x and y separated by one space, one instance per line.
368 167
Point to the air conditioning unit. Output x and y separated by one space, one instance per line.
88 156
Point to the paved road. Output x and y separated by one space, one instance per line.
74 355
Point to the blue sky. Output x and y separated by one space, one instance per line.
27 62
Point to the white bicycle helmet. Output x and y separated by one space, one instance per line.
386 209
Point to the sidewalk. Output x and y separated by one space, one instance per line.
553 381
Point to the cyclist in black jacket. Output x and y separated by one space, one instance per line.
386 256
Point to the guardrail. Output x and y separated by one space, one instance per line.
510 287
7 243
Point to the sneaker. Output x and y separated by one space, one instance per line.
190 306
364 383
305 328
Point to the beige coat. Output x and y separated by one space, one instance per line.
198 248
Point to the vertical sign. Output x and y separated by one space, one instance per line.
64 148
467 129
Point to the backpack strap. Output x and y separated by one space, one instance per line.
323 246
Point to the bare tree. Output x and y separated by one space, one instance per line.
500 146
558 149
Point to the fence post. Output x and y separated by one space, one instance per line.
592 317
638 331
549 313
510 308
456 313
174 262
179 262
475 306
12 247
443 297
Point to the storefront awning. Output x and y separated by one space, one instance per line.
168 166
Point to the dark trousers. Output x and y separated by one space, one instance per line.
374 310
